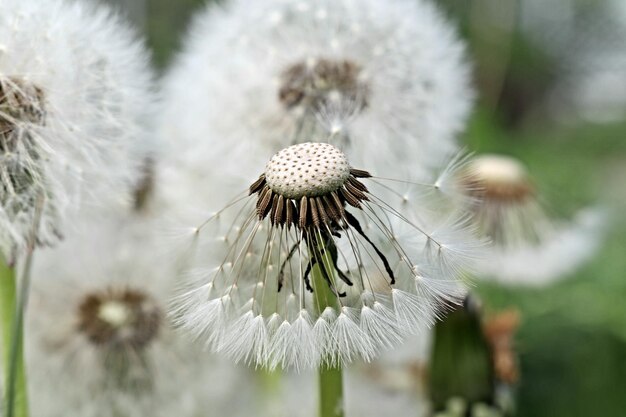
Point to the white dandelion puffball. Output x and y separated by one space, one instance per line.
314 261
75 91
385 77
100 343
528 246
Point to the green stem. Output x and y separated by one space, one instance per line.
15 392
269 382
331 391
330 378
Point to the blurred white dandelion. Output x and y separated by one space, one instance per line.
100 343
389 74
529 247
74 94
387 264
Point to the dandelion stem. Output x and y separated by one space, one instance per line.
331 391
270 383
330 377
15 395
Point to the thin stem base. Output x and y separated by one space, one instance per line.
331 392
15 392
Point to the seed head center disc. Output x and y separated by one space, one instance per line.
307 169
500 170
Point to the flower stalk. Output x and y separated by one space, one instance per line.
330 376
269 382
11 319
331 391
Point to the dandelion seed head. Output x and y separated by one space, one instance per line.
315 271
509 213
323 66
101 320
75 93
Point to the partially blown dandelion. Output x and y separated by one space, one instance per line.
528 247
390 74
320 263
74 92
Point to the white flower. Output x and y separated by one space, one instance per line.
388 75
385 264
74 93
99 342
528 246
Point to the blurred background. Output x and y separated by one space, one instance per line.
551 81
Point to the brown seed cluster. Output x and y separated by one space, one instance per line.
20 103
310 211
119 318
308 185
312 84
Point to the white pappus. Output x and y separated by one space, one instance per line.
100 343
377 77
75 92
314 260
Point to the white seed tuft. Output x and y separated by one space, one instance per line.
75 96
398 66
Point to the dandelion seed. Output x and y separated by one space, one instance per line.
390 73
528 247
74 93
255 298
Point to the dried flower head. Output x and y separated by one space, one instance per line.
74 93
100 343
500 331
390 73
319 263
509 213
